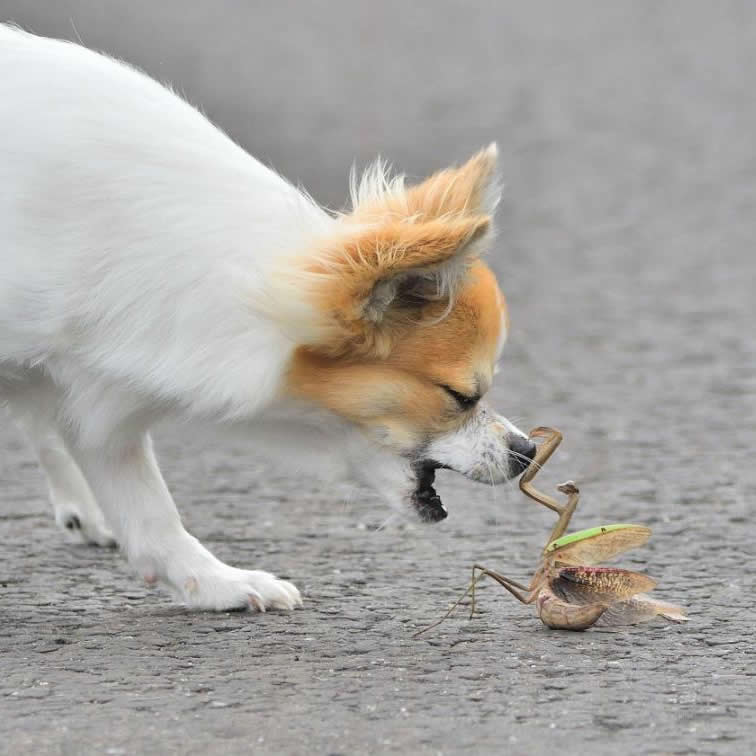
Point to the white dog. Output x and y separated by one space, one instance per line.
149 267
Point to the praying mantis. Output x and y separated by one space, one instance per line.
568 591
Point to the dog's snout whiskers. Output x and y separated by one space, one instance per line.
521 452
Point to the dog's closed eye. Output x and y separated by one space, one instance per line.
465 401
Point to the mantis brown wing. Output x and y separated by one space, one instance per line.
619 590
596 545
640 608
606 585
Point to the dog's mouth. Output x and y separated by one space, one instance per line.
426 501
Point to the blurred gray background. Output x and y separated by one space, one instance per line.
626 250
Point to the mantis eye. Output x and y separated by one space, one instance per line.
464 401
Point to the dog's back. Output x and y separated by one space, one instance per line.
117 201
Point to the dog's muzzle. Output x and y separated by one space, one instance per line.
426 500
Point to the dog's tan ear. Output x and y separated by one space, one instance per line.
470 189
381 271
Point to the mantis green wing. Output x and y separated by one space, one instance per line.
594 545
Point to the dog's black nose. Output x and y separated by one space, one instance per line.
521 451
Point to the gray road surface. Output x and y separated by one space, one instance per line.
626 249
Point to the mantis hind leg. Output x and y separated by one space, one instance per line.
470 588
511 585
524 593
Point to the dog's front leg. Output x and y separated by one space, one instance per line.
125 478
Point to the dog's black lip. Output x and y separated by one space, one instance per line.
427 502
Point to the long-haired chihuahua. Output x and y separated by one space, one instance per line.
151 268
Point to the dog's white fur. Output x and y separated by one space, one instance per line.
141 276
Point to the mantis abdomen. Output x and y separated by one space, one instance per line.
559 615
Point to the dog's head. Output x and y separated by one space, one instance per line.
410 324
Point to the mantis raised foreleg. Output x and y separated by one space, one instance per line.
545 450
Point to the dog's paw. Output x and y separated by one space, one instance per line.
224 587
80 528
